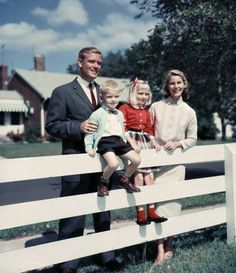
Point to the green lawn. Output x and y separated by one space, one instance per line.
16 150
202 251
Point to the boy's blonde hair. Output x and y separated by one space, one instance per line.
108 86
174 72
136 85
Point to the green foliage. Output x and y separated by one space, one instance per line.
114 65
199 37
32 132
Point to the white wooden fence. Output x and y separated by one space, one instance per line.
15 215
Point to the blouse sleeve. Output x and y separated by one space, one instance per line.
191 133
149 127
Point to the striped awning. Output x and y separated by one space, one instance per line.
13 106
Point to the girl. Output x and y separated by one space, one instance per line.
140 135
175 126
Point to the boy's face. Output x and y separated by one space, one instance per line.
110 99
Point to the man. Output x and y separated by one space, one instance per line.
67 118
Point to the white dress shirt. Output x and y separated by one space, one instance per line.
86 89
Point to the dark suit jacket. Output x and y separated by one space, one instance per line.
69 106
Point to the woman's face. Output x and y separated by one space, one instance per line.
176 87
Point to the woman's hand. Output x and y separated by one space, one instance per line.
171 145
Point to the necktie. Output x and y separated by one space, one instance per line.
94 103
113 111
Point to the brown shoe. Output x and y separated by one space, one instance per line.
103 190
126 184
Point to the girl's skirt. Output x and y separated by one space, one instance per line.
143 140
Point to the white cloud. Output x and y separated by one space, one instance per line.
68 11
132 9
120 32
24 36
116 32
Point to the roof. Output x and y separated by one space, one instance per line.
12 101
44 82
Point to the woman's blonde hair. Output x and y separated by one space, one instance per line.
136 85
174 72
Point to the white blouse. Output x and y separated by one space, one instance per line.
174 121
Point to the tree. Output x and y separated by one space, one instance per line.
200 38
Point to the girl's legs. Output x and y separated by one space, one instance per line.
141 216
152 215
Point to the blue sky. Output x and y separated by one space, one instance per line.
59 28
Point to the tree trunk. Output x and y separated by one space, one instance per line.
223 128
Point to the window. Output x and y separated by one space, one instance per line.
2 118
15 118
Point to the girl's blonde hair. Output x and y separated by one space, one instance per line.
174 72
136 85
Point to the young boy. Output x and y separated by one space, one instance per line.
109 140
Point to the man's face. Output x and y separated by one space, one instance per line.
90 66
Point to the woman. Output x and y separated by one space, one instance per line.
175 126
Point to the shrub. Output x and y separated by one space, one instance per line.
32 132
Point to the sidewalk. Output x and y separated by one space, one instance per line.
37 239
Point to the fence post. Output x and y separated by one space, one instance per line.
230 189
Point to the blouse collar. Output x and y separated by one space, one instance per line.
171 101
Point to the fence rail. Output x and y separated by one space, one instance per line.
35 257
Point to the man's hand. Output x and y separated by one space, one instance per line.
88 126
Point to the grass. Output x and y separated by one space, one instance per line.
16 150
202 251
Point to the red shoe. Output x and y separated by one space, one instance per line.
154 217
141 218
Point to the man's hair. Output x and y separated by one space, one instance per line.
174 72
109 85
86 50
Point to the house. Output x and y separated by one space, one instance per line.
12 113
36 86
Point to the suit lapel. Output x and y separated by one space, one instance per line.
80 92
